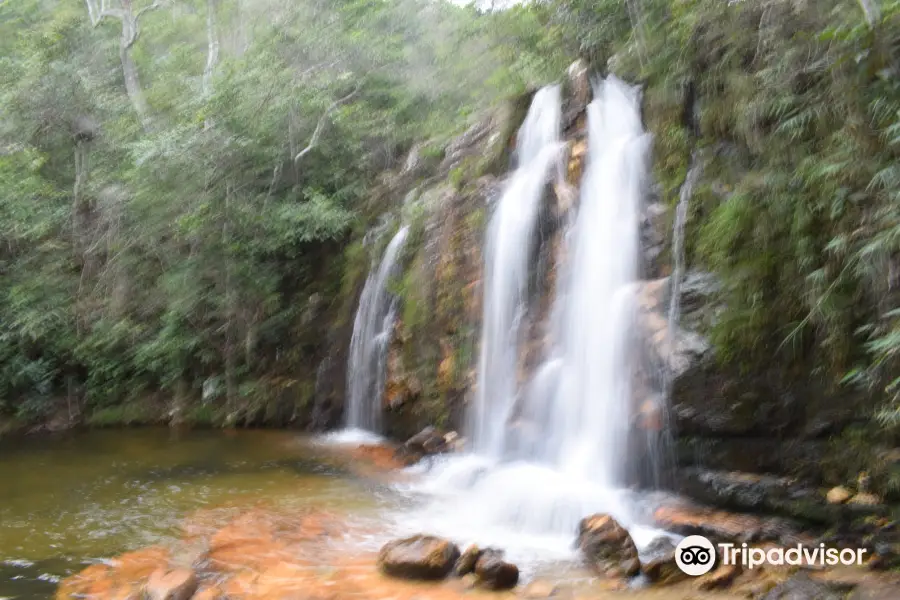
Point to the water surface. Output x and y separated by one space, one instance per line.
73 499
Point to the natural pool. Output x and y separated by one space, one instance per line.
76 499
72 499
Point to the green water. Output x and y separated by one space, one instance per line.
69 500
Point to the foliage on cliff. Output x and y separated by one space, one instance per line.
794 108
177 178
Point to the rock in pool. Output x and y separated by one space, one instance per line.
607 546
494 573
661 567
421 557
466 562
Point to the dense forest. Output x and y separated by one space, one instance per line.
182 182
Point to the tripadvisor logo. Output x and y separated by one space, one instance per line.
696 555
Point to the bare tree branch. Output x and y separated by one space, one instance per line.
212 52
130 22
98 13
133 28
323 120
276 177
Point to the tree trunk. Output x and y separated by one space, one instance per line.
133 86
212 51
230 312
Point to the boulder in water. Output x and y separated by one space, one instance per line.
661 568
494 573
171 584
421 557
425 443
466 562
608 546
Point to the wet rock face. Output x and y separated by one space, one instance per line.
494 573
720 577
578 92
654 234
719 526
661 568
769 495
607 546
427 442
420 557
466 562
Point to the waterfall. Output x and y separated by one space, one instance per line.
684 198
510 235
660 447
372 329
586 434
560 455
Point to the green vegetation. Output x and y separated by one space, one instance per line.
179 180
184 184
795 109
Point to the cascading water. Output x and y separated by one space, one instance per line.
510 235
659 452
684 198
588 426
560 455
372 329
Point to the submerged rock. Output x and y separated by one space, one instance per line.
423 557
607 546
171 584
494 573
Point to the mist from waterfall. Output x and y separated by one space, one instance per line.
554 449
510 236
372 330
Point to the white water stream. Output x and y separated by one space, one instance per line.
372 331
561 455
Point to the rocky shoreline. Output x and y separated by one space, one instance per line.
261 552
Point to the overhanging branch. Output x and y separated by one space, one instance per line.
320 126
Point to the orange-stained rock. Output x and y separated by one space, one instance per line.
140 563
447 371
209 593
258 538
241 585
721 525
420 557
382 457
721 577
171 584
121 579
607 546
